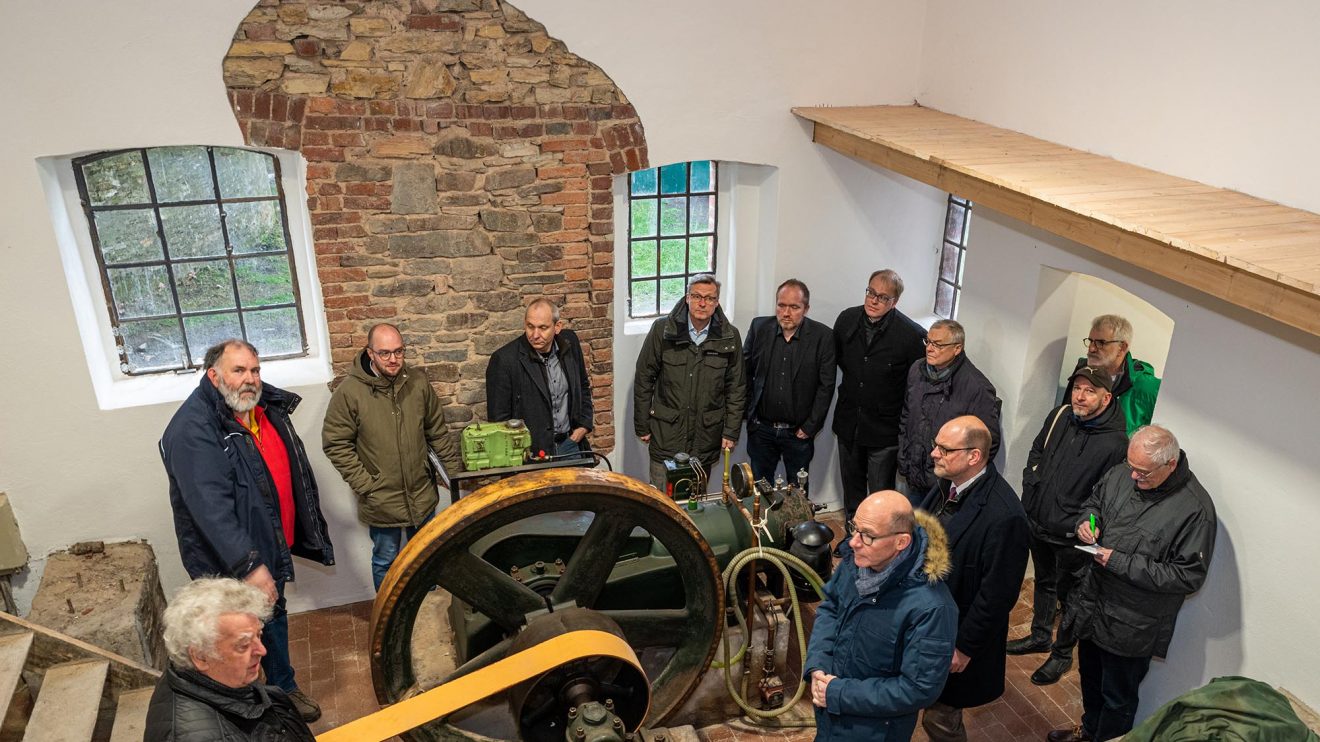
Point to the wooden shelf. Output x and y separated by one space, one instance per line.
1254 253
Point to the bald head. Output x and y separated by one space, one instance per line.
884 519
961 449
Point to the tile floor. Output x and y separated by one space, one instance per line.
329 651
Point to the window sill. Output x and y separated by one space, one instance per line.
138 391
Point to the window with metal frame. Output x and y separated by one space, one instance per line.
671 233
193 247
953 255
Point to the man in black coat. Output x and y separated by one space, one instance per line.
242 491
1154 533
790 381
941 387
875 345
541 379
1076 445
210 692
989 537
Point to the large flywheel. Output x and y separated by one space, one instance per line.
548 542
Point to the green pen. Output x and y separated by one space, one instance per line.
1093 525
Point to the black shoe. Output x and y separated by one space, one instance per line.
308 709
1028 645
1050 672
1076 734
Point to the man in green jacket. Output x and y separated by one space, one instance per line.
381 421
1134 383
689 389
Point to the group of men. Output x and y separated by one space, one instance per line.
242 490
917 615
916 618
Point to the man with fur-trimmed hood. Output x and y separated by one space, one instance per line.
884 635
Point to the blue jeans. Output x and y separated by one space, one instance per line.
567 446
275 636
767 445
385 545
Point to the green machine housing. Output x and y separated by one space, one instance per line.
495 445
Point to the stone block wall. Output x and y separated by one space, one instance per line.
460 163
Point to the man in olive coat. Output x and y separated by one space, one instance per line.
381 421
689 388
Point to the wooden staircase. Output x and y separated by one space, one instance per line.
58 689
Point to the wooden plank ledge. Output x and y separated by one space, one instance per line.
1256 254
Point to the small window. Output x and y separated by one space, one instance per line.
671 233
953 255
193 247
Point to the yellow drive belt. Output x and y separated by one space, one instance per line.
467 690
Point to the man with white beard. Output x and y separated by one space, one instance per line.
243 495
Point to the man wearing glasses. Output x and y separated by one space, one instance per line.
875 345
381 421
940 388
1153 527
790 381
883 637
688 391
989 538
1134 383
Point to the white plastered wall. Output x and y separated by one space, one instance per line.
1222 92
710 80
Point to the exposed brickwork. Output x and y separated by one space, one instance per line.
460 162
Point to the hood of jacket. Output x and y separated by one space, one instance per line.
362 372
677 321
248 702
927 560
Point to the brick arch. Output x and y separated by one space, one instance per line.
459 162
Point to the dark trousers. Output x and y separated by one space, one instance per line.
767 445
1109 690
1058 569
866 469
275 636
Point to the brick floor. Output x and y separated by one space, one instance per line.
329 652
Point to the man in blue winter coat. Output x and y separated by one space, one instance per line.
242 491
883 639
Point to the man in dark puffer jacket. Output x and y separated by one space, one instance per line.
1077 444
210 691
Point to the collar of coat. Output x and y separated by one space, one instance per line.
248 702
272 398
676 324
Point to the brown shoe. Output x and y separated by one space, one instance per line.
1076 734
306 707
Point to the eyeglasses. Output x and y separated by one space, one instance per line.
1088 342
939 345
1144 474
882 298
945 450
703 298
867 538
396 353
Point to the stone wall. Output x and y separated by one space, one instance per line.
460 163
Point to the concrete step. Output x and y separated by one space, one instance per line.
131 715
13 654
67 704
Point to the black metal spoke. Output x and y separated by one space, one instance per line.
489 591
665 627
593 560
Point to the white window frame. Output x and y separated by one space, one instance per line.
116 390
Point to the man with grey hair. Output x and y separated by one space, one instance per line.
1151 527
541 378
689 388
1133 383
940 387
210 690
242 491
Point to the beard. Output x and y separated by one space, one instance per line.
234 396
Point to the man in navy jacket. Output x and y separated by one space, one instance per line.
883 637
242 492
